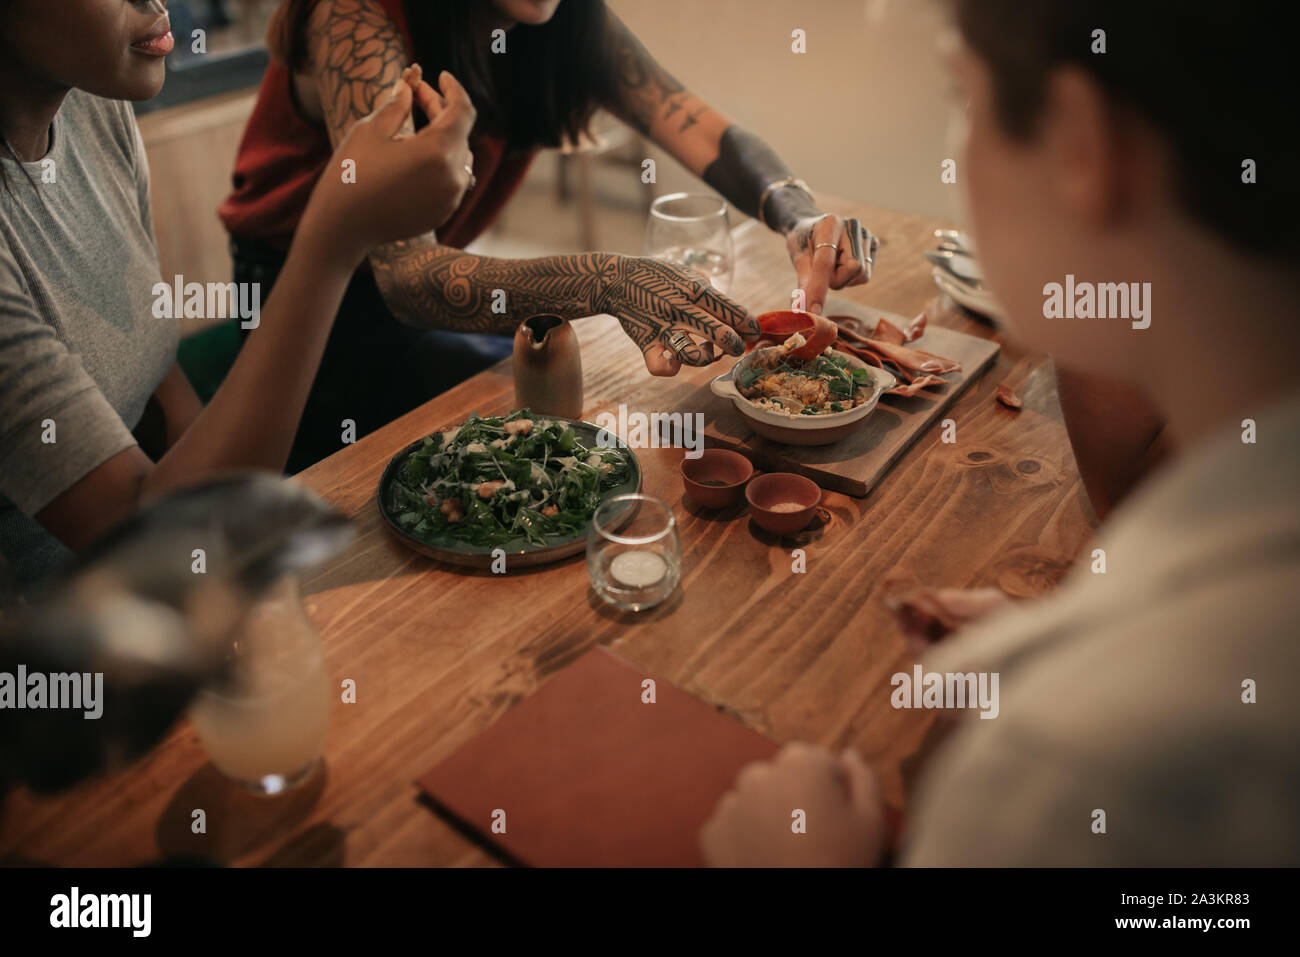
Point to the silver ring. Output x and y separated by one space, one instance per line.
679 341
832 245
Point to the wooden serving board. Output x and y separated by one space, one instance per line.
855 464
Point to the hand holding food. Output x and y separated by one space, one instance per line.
674 316
387 186
413 76
929 614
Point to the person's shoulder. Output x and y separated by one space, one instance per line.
1160 719
108 122
362 28
12 283
364 14
1170 681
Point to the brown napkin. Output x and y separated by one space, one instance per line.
589 775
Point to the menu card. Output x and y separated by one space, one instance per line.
589 772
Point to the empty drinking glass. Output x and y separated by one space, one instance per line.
691 230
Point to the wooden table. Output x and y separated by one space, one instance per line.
437 653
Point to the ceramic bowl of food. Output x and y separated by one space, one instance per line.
715 479
783 503
816 402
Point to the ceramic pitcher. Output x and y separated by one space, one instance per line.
548 367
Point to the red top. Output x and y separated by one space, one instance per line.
283 153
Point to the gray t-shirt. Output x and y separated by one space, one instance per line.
80 348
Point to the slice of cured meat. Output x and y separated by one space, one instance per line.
886 331
916 328
818 331
916 385
1008 398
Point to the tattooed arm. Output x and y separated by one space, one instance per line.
428 284
733 161
738 165
357 52
651 299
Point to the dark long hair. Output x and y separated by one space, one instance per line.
542 92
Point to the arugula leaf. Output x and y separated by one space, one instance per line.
531 469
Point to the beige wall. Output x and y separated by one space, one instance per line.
864 113
191 151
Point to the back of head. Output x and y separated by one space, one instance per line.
1211 77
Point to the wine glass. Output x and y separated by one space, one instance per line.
692 230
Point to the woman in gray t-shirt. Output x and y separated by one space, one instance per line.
85 337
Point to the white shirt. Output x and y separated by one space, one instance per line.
1123 692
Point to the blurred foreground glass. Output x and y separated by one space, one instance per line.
691 230
633 555
266 727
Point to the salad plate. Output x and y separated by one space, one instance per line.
522 486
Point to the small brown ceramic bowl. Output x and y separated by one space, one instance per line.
715 479
783 503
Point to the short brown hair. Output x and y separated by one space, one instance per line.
1212 76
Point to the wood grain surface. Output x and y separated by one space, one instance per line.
438 653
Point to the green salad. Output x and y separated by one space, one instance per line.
494 480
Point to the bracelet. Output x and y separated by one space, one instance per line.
773 186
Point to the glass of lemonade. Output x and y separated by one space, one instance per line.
265 727
691 230
634 558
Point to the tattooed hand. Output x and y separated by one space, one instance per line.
738 165
830 253
672 314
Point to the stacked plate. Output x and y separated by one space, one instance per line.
958 274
